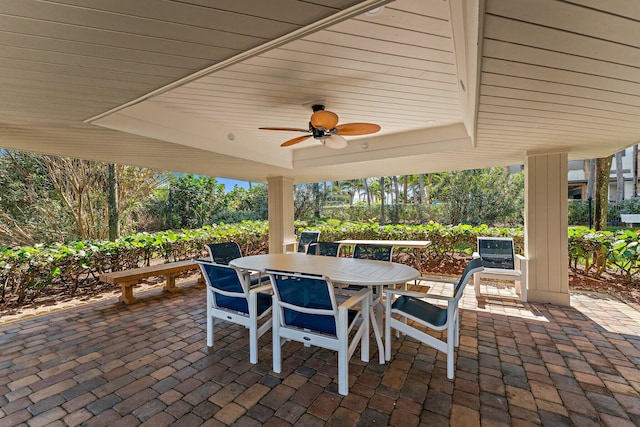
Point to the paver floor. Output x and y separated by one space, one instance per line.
147 364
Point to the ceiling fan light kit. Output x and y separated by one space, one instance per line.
323 126
335 141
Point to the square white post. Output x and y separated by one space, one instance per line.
546 227
281 212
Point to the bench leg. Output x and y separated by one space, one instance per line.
127 293
170 284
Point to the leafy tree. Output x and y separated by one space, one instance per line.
195 200
30 209
308 200
490 196
48 198
245 204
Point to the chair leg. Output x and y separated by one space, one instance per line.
523 281
450 350
210 320
387 329
364 340
277 342
456 326
404 288
253 327
476 283
343 353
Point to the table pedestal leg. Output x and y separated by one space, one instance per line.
375 313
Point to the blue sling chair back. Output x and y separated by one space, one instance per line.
230 298
305 310
324 249
224 252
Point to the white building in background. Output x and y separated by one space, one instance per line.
578 175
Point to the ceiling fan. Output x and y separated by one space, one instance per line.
324 127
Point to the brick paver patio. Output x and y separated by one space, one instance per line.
147 364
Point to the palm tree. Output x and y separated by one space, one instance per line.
367 191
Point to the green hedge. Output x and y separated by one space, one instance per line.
25 270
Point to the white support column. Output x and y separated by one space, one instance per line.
546 227
281 212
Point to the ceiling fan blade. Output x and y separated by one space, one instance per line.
287 129
294 141
357 128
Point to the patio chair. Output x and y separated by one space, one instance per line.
501 262
305 310
324 248
413 305
373 252
223 252
230 298
305 239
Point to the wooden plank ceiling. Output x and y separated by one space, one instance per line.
184 85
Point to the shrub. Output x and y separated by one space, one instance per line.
26 270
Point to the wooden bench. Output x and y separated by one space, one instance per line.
630 219
127 279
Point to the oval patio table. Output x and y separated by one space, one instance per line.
359 272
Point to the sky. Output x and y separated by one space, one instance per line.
229 183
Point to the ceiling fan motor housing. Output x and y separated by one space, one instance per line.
318 132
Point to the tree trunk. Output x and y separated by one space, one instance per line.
591 178
603 170
316 197
421 189
367 191
619 177
396 189
405 196
382 200
112 204
634 169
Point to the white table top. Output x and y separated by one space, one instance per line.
420 244
340 270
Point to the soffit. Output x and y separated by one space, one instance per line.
543 76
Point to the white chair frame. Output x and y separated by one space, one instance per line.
518 274
249 321
339 343
452 324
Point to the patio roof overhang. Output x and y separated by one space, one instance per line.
185 86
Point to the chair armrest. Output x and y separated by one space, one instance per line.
263 288
288 243
355 298
475 255
416 294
